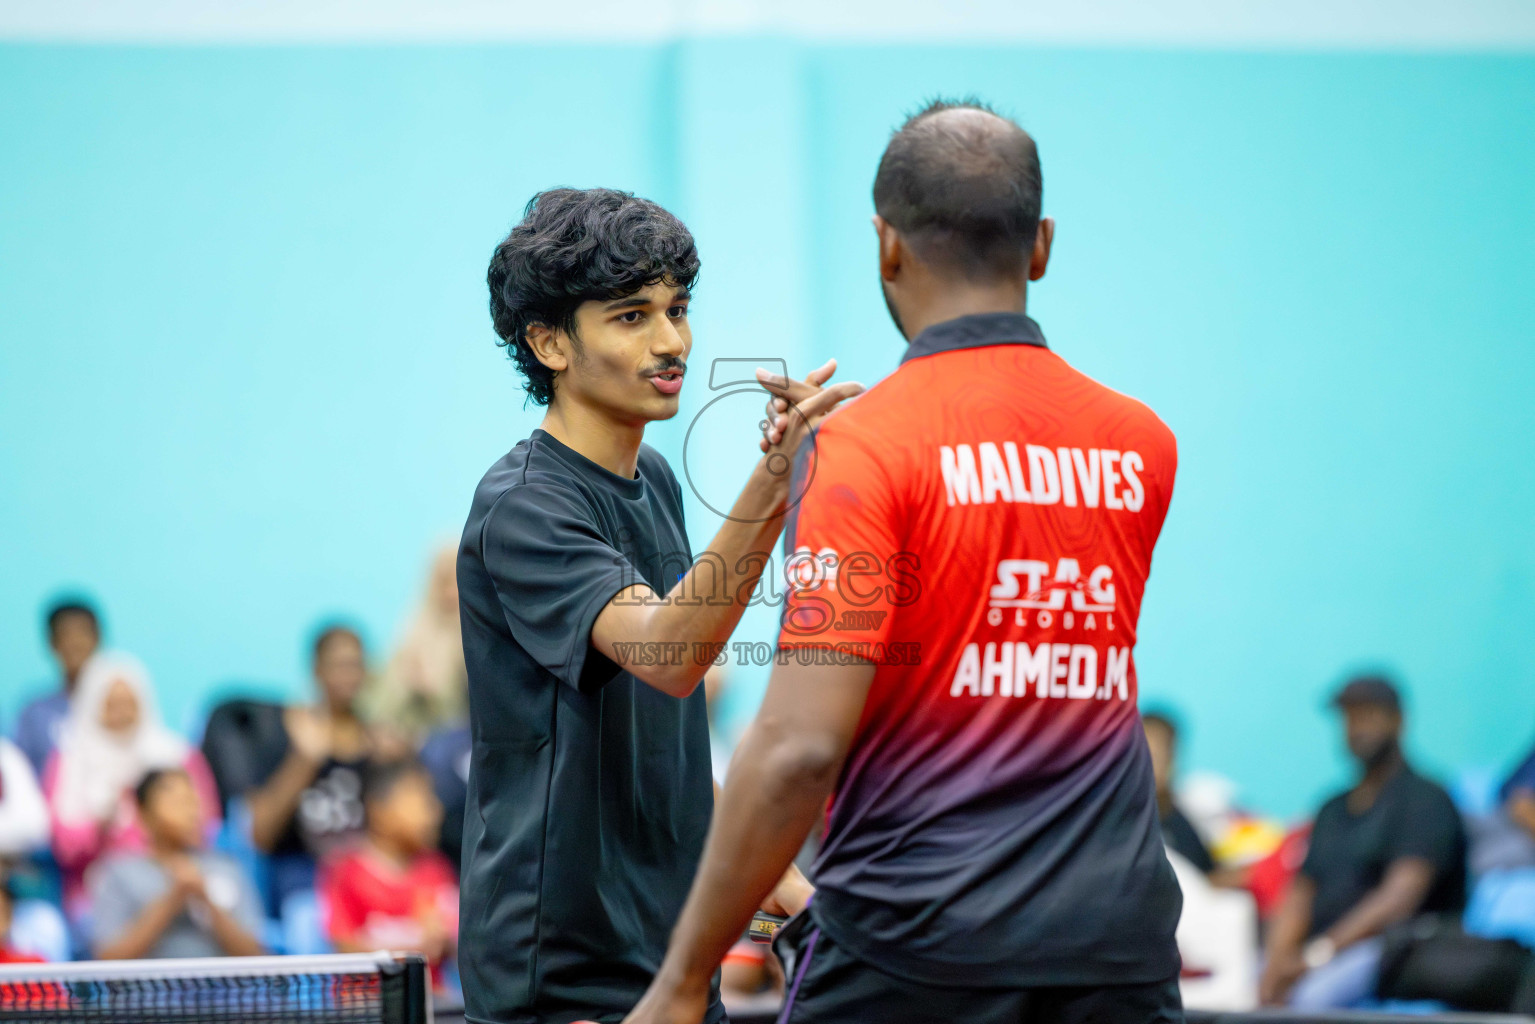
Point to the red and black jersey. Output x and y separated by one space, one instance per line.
980 525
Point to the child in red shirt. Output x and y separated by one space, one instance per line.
394 890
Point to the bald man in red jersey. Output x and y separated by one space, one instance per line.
955 666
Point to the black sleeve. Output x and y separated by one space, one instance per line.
1316 844
553 573
1184 839
268 748
1428 826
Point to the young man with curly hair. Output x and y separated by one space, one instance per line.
589 787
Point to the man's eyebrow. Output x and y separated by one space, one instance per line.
627 302
638 301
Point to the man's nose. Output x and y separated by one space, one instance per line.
668 340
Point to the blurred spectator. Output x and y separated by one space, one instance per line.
23 813
1384 851
1518 795
1177 831
425 684
1502 836
310 799
445 755
1269 877
74 632
38 928
394 890
177 899
31 925
8 953
1217 941
113 735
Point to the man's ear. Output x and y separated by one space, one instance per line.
892 250
548 346
1040 257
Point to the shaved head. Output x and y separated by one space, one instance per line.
962 185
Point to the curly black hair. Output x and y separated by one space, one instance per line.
573 246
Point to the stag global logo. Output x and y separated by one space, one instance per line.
1037 592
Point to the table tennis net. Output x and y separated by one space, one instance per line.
340 989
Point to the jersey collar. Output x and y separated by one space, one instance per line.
973 331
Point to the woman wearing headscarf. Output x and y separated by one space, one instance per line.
112 736
425 684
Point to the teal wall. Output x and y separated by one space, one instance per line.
247 377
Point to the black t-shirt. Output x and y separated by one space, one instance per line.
1349 853
329 811
589 791
1183 839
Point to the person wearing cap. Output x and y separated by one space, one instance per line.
1390 848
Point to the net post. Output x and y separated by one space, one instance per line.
407 993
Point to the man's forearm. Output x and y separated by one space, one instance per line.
272 805
709 600
772 796
1396 898
703 609
1292 921
135 941
231 936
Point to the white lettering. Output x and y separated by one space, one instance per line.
987 472
1082 681
968 676
1100 586
1058 668
1067 570
1045 477
1033 668
997 669
1068 485
1015 472
1008 571
1021 583
959 476
1110 480
1015 670
1087 472
1131 466
994 479
1116 674
804 570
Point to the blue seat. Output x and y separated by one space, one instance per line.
38 927
303 924
1502 906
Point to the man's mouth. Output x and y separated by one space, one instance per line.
668 382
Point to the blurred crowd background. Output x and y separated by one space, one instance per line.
247 384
